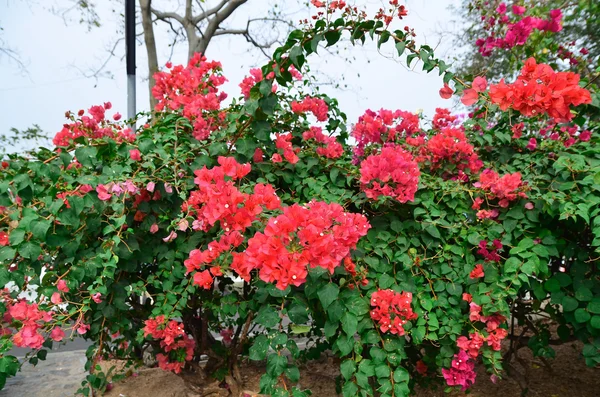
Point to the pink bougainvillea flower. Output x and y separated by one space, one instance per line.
57 334
532 144
56 298
529 205
103 193
150 187
172 236
168 188
518 10
83 328
276 158
446 92
479 84
585 136
135 155
469 97
62 286
183 225
117 116
97 297
154 228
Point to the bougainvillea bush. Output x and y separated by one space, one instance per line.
272 230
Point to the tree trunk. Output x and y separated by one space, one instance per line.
150 47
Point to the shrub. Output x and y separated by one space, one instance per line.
409 256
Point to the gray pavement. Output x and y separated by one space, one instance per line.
60 375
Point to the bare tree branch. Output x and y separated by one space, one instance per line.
205 14
164 16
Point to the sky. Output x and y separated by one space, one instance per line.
58 52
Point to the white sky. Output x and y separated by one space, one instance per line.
56 54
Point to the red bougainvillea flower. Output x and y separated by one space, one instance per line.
173 338
392 173
384 126
330 148
391 310
316 106
446 92
194 90
450 146
3 238
532 144
203 279
421 367
477 272
95 127
507 188
317 235
539 90
135 155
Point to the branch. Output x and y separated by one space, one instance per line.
164 16
208 13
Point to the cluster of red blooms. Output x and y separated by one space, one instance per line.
284 142
218 200
388 17
475 341
384 126
461 372
540 90
3 238
195 90
316 106
450 146
256 76
517 32
333 5
318 235
330 148
392 310
505 189
393 173
173 340
94 127
490 254
32 320
443 118
79 191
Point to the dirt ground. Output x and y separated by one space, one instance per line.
569 378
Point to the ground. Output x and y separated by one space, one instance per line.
61 374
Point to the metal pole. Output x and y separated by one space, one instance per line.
130 56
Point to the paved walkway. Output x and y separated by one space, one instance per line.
60 375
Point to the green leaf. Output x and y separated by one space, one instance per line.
267 317
569 303
30 250
298 313
300 329
16 237
328 294
583 294
332 37
348 368
400 46
582 316
349 323
401 375
433 231
40 228
258 350
86 155
349 389
595 322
